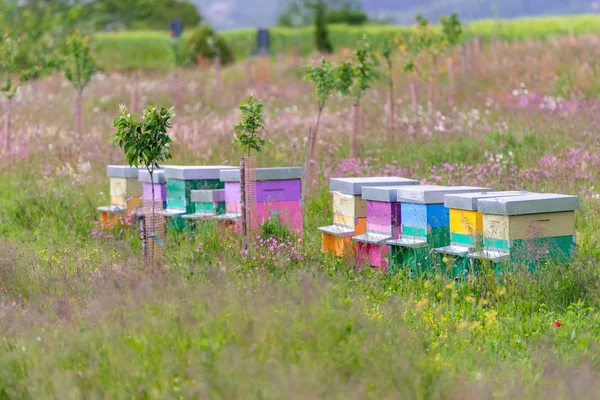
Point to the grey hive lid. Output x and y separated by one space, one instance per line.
122 171
265 174
353 186
468 201
432 194
534 203
158 176
196 172
387 194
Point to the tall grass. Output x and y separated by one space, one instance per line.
80 316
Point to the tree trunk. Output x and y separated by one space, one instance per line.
297 53
355 129
218 77
433 80
135 93
392 110
79 113
7 123
176 90
310 146
451 78
463 60
248 71
414 98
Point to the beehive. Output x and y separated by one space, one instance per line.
125 195
124 184
350 211
466 230
528 229
278 193
181 180
383 223
425 225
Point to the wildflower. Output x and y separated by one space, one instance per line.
558 324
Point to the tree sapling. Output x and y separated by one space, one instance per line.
145 141
78 65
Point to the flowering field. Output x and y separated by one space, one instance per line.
81 317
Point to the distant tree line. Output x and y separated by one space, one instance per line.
297 13
109 14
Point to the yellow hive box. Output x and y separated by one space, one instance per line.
359 224
349 206
122 187
529 226
466 222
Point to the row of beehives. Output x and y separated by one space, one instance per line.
184 193
393 222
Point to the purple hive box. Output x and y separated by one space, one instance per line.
272 185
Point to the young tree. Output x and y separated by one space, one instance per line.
324 79
354 79
78 65
145 142
250 124
452 32
389 45
321 33
11 77
247 139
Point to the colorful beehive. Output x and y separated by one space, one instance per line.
125 194
466 229
425 225
181 180
160 187
383 223
278 193
527 229
350 211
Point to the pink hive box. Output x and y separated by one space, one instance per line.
278 191
384 222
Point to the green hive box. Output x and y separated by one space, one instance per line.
528 231
466 231
425 225
181 181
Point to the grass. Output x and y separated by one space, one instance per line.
82 317
151 49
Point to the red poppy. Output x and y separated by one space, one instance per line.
558 324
